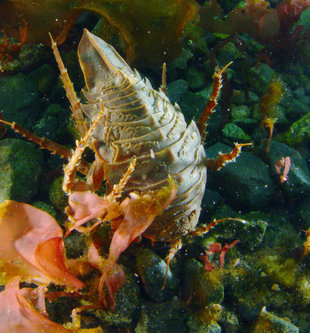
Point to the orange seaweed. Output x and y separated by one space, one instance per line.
152 29
267 104
271 98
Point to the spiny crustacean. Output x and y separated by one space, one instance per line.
140 121
124 117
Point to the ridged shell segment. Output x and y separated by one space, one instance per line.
140 121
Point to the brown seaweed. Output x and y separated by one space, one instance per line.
152 29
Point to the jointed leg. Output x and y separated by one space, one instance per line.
118 188
164 79
174 248
212 102
43 142
177 244
95 175
77 113
211 225
47 144
222 159
72 166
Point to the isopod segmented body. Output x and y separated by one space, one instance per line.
140 121
154 164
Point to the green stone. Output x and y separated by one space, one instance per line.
299 133
20 165
235 133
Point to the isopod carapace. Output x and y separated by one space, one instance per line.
123 120
124 117
140 121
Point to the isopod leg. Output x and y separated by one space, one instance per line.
77 113
47 144
204 230
223 159
164 79
76 318
212 102
95 175
118 188
174 248
72 166
43 142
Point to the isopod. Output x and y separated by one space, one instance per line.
125 118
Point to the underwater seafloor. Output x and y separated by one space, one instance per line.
263 285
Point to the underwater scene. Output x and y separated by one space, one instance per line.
154 166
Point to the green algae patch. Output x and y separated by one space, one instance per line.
235 133
127 305
281 272
57 196
46 207
200 287
299 132
268 322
